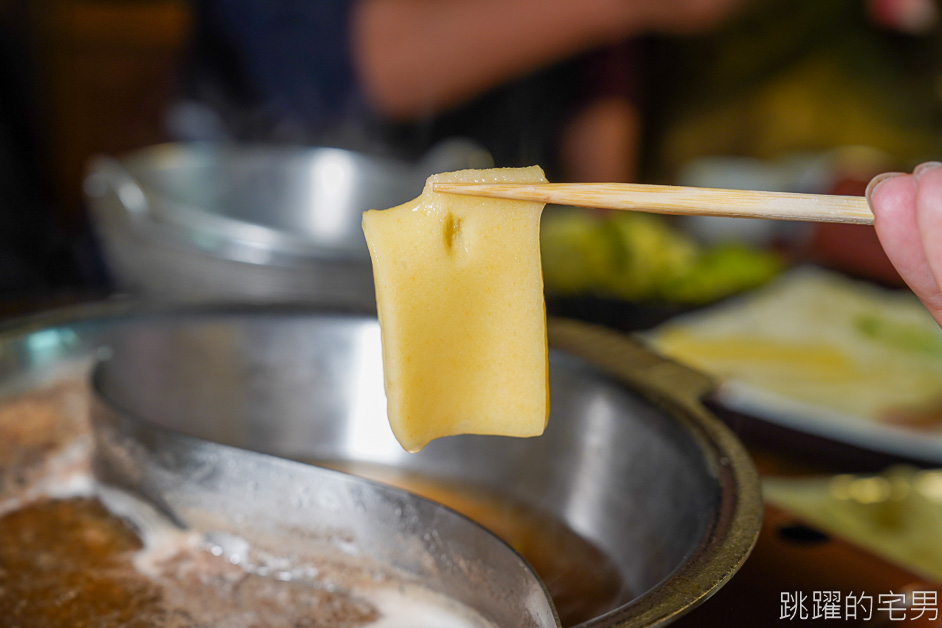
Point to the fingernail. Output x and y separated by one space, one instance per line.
924 167
877 180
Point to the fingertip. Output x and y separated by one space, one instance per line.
928 184
924 168
877 181
890 194
927 190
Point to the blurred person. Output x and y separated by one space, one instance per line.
907 212
374 74
914 17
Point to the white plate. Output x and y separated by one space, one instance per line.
845 428
819 353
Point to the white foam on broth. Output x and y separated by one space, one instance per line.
413 607
169 553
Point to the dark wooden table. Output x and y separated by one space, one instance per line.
793 564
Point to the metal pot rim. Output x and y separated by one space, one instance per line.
153 214
676 388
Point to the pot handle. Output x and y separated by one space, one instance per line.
626 358
107 176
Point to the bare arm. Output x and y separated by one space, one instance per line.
416 57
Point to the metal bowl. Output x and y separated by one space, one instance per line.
630 463
197 222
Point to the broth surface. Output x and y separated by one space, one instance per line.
581 578
67 561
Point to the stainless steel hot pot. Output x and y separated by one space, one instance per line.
631 461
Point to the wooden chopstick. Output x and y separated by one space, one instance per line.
670 199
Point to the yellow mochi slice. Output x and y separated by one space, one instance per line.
459 291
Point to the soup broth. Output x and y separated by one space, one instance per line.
67 561
581 578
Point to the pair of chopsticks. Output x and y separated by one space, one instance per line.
669 199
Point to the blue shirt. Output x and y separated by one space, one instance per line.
294 55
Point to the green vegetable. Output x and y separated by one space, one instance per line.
575 256
721 271
648 255
900 335
641 257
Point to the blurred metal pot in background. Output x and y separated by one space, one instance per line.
230 222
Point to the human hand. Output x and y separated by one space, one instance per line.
907 211
688 17
914 17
